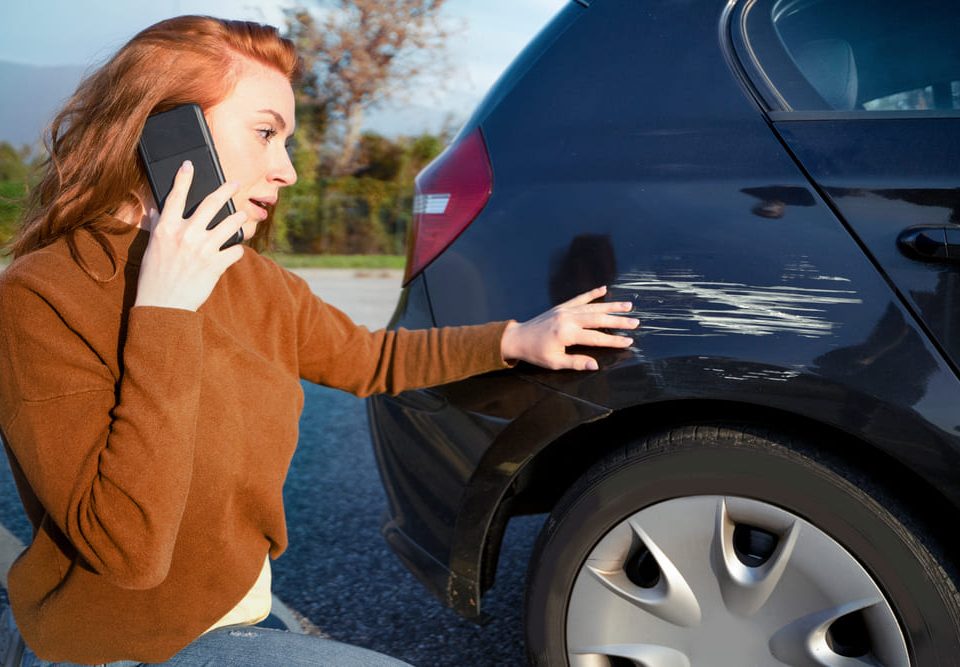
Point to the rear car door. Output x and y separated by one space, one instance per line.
866 95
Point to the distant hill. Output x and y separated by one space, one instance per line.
31 96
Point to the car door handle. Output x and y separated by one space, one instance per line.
931 243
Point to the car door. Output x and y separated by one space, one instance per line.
866 95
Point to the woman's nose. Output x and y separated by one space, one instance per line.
283 172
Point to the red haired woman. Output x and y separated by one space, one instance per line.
149 382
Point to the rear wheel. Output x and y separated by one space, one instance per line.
724 546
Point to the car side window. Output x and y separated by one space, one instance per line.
859 55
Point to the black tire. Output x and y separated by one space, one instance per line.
731 460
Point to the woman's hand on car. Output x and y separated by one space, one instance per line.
544 339
183 261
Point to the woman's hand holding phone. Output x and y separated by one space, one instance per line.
183 260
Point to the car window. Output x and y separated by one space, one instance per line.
863 55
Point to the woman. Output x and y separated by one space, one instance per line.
149 382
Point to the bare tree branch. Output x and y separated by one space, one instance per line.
361 53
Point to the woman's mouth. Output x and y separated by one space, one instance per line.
262 208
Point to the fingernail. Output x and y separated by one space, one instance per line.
635 322
592 366
187 165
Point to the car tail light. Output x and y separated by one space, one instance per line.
450 193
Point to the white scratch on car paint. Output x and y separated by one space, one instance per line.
684 304
802 268
771 374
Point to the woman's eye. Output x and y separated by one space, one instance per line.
267 133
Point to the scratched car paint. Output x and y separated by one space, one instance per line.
768 474
686 304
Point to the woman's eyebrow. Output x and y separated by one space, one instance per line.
280 121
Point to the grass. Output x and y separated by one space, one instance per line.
323 261
294 261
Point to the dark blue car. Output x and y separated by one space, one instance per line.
770 475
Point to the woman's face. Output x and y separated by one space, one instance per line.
250 127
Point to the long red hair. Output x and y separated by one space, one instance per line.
93 169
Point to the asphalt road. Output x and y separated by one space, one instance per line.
338 572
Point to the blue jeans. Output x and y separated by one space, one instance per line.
237 646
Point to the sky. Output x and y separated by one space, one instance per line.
492 32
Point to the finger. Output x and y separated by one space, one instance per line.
231 255
212 203
249 229
177 199
600 339
580 362
605 307
586 297
605 321
226 229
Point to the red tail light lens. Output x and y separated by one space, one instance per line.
449 195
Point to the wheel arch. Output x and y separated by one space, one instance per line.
539 484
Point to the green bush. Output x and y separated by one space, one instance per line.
11 206
366 212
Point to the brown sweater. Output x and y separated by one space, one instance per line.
150 445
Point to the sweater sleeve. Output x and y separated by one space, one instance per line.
109 462
335 352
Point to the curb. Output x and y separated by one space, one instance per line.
10 548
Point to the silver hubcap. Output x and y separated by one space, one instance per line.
726 581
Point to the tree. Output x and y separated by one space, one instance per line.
297 214
14 164
368 211
359 53
17 168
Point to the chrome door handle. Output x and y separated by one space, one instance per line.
931 243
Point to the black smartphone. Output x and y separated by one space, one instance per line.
169 138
